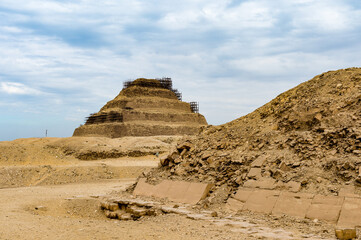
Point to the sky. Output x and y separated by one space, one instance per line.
62 60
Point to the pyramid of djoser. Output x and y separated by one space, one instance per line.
145 107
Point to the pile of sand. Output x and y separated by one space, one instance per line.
309 136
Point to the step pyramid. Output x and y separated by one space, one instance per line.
145 107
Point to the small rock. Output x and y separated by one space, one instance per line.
283 166
113 206
40 208
125 217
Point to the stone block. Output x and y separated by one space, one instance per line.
259 162
350 215
283 166
346 234
125 217
177 191
143 188
254 173
113 206
262 201
234 204
348 191
263 183
196 192
161 189
325 208
293 204
293 186
243 194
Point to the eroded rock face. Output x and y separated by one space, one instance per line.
145 107
308 139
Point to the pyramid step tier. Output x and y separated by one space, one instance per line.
133 115
147 102
116 130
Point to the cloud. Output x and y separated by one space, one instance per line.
326 16
18 88
232 56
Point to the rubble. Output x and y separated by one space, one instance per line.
307 139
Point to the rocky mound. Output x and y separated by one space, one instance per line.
308 138
65 151
145 107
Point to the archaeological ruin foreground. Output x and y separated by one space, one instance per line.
145 107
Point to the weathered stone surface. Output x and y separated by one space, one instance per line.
346 234
325 208
259 162
348 191
125 217
161 190
234 204
113 206
243 194
196 192
263 183
254 173
262 201
293 186
143 188
178 191
293 204
350 213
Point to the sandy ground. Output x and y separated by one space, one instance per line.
72 212
69 212
46 194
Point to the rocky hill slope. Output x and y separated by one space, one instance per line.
308 138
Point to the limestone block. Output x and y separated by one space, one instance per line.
144 188
104 205
325 208
254 173
293 204
263 183
196 192
243 194
177 191
234 204
262 201
348 191
293 186
113 206
258 162
161 189
350 213
345 234
283 166
125 217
